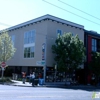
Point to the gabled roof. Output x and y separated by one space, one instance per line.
44 18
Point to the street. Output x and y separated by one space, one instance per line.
43 93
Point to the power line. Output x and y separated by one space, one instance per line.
70 12
78 9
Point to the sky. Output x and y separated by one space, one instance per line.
13 12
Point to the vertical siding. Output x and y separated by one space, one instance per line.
19 60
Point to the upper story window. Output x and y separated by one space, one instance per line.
13 39
29 37
59 32
94 45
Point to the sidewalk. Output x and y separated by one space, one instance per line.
20 83
52 84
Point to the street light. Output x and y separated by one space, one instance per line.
45 59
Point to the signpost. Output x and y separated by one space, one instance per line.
3 65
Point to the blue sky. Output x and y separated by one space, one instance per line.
13 12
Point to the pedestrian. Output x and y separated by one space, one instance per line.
30 78
40 76
33 77
24 77
93 79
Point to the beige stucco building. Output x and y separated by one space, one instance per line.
29 37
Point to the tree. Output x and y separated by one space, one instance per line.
94 64
69 52
7 49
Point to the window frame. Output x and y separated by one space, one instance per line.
94 44
29 54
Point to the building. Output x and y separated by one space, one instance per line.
92 43
33 40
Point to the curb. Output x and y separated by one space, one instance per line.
56 86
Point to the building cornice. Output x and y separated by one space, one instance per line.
45 17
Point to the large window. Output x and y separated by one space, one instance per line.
29 37
94 45
29 44
28 52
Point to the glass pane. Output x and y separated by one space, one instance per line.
26 40
32 49
29 34
32 55
25 50
28 55
28 50
92 48
92 41
95 48
32 39
29 40
59 32
25 55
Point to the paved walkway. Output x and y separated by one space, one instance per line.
53 84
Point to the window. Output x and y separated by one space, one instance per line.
59 32
29 37
94 45
29 44
13 39
29 52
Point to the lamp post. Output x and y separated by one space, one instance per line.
44 76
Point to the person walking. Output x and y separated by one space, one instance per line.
24 76
33 77
30 78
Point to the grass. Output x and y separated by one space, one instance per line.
5 79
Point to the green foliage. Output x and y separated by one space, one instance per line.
94 64
69 51
7 49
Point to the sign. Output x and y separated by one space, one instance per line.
3 64
43 51
40 63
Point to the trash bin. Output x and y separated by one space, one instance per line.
41 81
